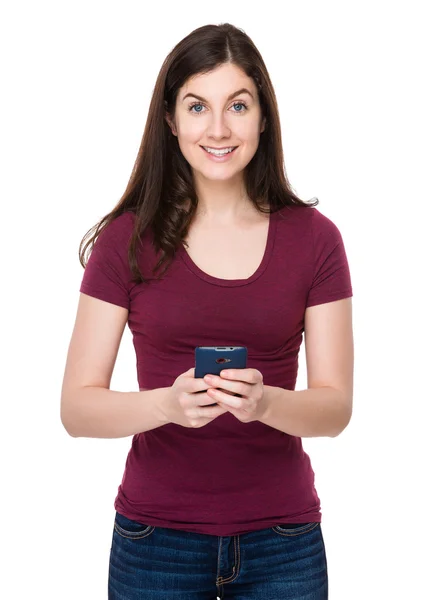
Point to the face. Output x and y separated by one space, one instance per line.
218 110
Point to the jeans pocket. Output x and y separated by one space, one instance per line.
128 528
293 531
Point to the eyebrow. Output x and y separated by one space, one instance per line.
230 97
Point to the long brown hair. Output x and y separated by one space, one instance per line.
161 180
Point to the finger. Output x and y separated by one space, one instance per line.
224 398
203 399
235 388
216 381
245 375
230 393
211 412
199 384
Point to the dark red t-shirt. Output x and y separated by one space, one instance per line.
227 477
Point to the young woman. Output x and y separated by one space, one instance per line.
209 246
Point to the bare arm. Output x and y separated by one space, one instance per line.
98 412
315 412
88 407
325 409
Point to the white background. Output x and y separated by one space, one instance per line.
77 79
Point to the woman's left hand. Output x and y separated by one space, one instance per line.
248 383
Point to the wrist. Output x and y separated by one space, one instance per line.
162 403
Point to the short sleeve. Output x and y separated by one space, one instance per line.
331 274
107 274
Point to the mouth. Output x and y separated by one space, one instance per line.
219 156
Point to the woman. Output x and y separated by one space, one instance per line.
215 498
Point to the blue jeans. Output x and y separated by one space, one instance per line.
276 563
149 562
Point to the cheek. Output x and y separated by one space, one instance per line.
249 132
189 132
187 139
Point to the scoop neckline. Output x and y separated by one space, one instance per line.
236 282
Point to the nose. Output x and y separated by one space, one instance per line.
218 127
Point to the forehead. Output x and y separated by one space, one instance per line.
218 83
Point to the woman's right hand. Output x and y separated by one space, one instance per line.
187 400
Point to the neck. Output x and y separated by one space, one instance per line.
222 201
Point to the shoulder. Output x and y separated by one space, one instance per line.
119 229
308 225
324 229
300 213
308 216
295 216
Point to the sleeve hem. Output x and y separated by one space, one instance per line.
330 298
106 297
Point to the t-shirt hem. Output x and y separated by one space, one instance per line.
219 529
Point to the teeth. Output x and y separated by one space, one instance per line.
218 152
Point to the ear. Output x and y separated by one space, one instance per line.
263 124
170 123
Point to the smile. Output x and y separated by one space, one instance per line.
219 155
220 151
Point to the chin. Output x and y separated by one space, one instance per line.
218 176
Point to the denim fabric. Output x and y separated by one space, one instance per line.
277 563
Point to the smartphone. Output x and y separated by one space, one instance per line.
213 359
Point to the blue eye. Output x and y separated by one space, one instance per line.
198 112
